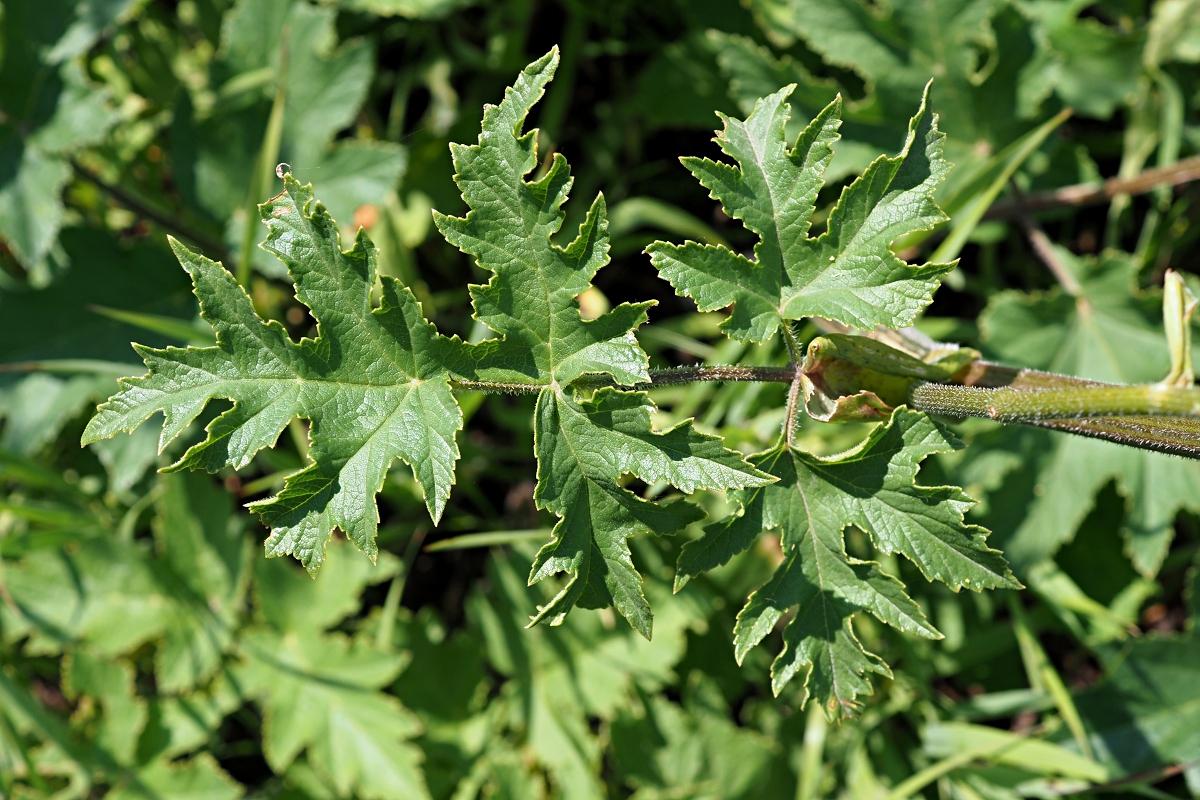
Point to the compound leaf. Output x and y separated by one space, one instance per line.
871 487
849 272
372 383
583 448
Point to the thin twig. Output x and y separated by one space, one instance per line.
1086 194
1149 777
1044 248
214 247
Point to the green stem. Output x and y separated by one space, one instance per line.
796 391
488 539
966 222
662 377
558 100
1006 404
400 92
1043 677
265 165
1148 417
816 726
167 220
391 604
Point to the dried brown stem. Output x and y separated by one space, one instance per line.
1086 194
1043 247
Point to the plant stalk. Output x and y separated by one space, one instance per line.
662 377
264 165
1006 404
167 220
795 400
1087 194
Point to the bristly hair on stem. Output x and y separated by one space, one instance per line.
670 376
796 391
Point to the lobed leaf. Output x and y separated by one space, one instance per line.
531 300
321 693
848 273
373 383
583 448
871 487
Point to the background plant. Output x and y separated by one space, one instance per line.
130 669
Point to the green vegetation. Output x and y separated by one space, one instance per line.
671 419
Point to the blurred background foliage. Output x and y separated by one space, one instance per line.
147 649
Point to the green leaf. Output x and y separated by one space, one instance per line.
325 86
531 299
113 597
110 683
666 747
1106 333
320 693
898 48
409 9
290 602
562 678
47 113
199 778
37 407
754 72
56 323
356 173
205 562
949 740
1173 33
183 723
31 209
93 18
849 272
583 448
372 383
871 487
1091 67
681 86
979 51
102 592
1144 716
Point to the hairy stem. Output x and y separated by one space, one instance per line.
1006 404
671 376
795 391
